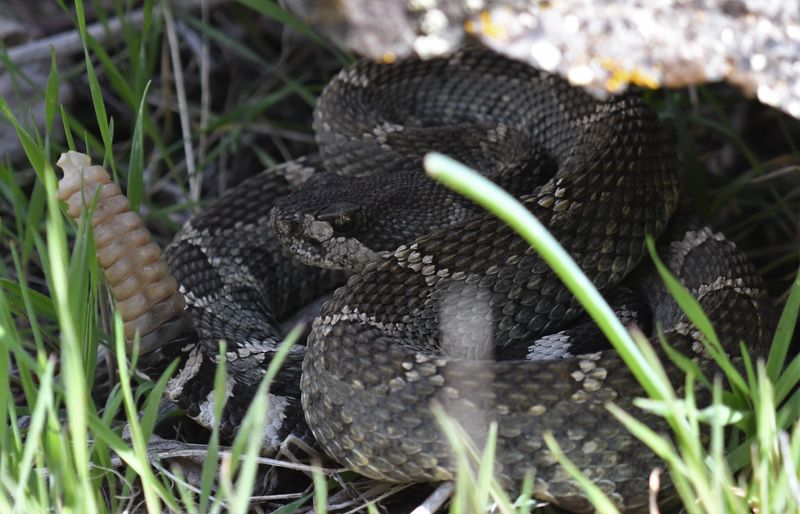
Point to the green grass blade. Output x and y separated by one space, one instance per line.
33 150
95 91
749 369
525 500
247 443
470 489
686 364
136 164
120 84
115 78
687 302
30 310
788 380
766 435
14 197
50 97
71 123
67 129
783 334
320 491
121 448
210 464
37 423
139 58
8 418
662 447
272 10
33 219
691 307
486 467
479 189
10 338
77 401
289 508
461 445
150 409
20 295
598 499
152 488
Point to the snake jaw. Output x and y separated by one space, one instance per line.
315 242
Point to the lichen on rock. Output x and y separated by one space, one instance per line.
603 46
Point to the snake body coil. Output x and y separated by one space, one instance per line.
446 302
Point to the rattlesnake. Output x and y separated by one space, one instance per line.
436 297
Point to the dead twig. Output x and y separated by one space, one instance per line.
69 42
437 498
195 179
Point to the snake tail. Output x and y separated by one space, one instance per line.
144 291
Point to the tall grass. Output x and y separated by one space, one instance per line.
59 451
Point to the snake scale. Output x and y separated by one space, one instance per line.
444 303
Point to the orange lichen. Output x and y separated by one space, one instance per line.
469 27
621 77
485 25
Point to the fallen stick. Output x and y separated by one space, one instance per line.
69 42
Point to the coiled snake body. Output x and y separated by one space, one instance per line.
446 301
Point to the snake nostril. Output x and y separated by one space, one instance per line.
287 226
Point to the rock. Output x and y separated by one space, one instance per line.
602 46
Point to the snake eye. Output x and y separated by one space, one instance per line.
341 215
344 223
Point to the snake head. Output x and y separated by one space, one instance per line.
326 236
345 222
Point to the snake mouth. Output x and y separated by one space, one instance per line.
295 234
310 253
335 253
